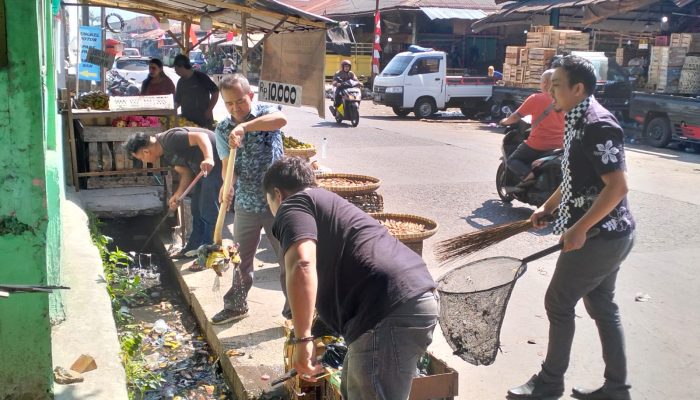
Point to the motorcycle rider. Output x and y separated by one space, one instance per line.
341 76
547 130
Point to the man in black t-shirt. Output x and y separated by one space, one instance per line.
593 195
363 282
188 150
196 93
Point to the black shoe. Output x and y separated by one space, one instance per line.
225 316
332 110
536 389
600 394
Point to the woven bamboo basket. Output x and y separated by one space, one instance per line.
371 184
303 153
430 226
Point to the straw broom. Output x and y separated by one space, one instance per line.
468 243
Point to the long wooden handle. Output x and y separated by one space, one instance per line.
218 230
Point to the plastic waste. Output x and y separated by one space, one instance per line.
160 326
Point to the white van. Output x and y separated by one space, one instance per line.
416 81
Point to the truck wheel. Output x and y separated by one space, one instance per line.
501 184
401 112
468 111
424 108
658 132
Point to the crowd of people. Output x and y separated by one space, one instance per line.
341 264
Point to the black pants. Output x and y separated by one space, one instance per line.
338 98
520 161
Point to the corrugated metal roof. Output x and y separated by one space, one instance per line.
263 15
452 13
339 8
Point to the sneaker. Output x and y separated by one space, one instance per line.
535 388
225 316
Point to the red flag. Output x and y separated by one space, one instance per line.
377 47
193 36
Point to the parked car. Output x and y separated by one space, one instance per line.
134 69
416 81
667 118
131 52
198 61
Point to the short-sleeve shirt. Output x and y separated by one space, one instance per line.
258 151
599 151
193 95
364 273
548 134
177 150
165 86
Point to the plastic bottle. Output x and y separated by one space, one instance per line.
324 148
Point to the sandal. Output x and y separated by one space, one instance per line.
195 267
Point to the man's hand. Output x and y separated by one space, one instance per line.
235 138
207 165
304 361
574 238
539 217
226 200
172 203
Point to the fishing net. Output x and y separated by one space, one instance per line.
473 301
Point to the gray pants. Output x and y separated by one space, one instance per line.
382 362
520 162
589 273
246 232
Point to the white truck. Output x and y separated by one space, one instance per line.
417 81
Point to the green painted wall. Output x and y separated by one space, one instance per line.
30 198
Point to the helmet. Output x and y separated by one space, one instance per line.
345 62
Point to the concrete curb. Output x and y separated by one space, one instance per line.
89 326
260 336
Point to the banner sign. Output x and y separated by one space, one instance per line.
90 36
281 93
99 57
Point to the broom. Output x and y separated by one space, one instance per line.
461 246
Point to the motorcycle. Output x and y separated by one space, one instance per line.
349 109
547 171
117 85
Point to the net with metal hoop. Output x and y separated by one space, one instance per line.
473 301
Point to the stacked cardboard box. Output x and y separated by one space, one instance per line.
659 57
665 67
691 41
689 82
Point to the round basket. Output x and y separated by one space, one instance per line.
303 153
371 184
430 226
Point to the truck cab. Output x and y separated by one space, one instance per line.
417 81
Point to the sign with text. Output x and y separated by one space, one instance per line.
90 36
99 57
281 93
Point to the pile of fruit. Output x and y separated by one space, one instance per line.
94 100
402 227
291 143
176 121
328 182
133 121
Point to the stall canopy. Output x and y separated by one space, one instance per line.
260 15
628 15
452 13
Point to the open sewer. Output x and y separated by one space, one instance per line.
170 357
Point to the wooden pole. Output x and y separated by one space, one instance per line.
244 43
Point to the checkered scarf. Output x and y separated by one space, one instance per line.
572 129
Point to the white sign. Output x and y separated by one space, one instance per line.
281 93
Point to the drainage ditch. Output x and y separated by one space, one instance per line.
164 353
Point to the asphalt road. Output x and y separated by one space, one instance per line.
445 171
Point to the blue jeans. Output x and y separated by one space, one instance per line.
382 362
205 209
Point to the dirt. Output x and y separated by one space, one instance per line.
402 227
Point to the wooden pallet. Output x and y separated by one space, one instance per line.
691 41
